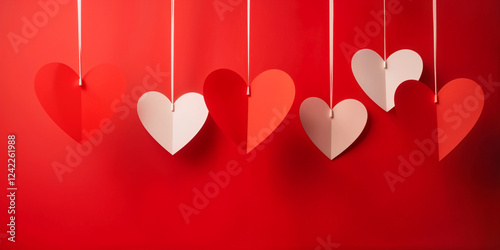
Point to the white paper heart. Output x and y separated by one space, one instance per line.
380 84
333 135
172 129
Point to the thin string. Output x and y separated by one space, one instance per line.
79 6
331 54
172 15
434 19
248 47
385 38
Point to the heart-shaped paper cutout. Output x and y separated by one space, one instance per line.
446 123
249 120
172 129
380 84
333 135
80 111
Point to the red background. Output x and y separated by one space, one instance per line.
126 193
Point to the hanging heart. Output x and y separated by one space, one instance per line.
446 123
79 111
249 120
380 84
333 135
172 129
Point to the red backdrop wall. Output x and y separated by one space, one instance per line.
287 195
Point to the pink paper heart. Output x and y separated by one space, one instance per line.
333 135
172 129
380 83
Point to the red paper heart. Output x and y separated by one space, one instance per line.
248 120
79 110
446 123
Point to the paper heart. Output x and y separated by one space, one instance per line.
172 129
79 111
333 135
380 84
248 120
446 123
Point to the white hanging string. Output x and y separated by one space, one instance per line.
385 38
248 47
79 6
331 55
434 22
172 15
